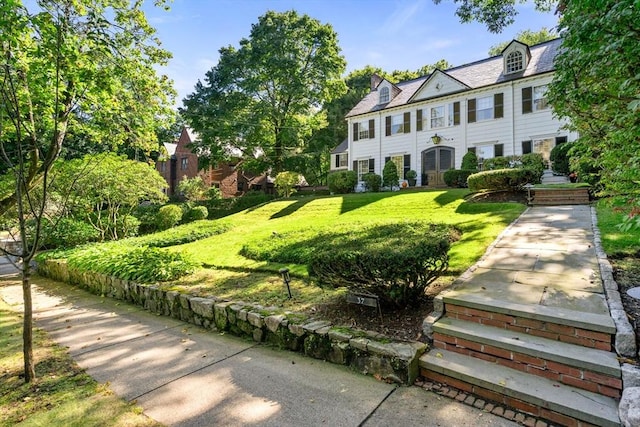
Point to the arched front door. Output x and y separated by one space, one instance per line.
435 161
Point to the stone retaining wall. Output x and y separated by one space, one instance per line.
364 352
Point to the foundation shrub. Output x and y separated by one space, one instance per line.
503 179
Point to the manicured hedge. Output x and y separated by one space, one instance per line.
181 234
342 182
394 261
503 179
457 177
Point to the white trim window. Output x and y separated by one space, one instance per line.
437 117
397 124
484 108
363 130
514 62
540 98
384 95
363 168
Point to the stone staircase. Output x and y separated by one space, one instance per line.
530 328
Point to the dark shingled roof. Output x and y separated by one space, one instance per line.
477 74
341 148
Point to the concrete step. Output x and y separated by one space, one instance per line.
588 329
586 368
540 397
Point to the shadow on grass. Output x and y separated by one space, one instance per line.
291 208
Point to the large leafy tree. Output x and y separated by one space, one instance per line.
69 66
528 37
261 99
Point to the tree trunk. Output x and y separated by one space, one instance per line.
27 332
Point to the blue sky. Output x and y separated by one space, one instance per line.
390 34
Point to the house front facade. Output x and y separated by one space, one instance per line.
494 107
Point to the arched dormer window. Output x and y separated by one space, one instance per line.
514 62
384 95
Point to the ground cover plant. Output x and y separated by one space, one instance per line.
62 394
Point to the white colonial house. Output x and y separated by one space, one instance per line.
495 107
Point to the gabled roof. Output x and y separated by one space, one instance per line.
342 147
475 75
170 147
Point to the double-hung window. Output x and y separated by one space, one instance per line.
437 117
363 167
364 130
384 95
400 123
453 114
484 108
534 99
397 124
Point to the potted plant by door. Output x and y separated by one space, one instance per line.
411 177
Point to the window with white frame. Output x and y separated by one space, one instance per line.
514 62
540 98
363 130
342 160
484 108
397 124
363 168
384 95
437 117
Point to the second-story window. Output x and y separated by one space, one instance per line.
437 117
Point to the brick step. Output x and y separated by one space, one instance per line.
590 369
540 397
560 196
589 330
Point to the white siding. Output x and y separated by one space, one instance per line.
438 85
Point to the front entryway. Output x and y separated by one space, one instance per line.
435 161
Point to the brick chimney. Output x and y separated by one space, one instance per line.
375 81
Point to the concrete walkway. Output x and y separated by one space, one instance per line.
182 375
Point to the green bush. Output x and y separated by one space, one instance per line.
396 265
470 161
496 163
560 158
146 214
127 226
168 216
342 182
533 161
372 181
196 213
390 176
364 256
67 233
219 208
503 179
284 183
457 177
181 234
142 264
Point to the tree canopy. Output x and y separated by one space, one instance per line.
528 37
261 100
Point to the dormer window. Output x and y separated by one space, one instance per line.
384 95
514 62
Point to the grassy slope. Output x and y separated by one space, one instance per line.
62 394
479 222
614 241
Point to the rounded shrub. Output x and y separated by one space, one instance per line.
146 214
457 178
533 161
503 179
196 213
342 182
168 216
372 181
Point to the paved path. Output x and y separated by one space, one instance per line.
184 376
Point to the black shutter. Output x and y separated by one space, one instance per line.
498 150
456 113
527 100
471 110
407 123
372 130
498 105
387 125
355 166
355 131
372 165
386 160
337 160
419 120
526 147
407 165
472 150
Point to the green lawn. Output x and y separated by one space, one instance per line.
480 223
62 394
614 241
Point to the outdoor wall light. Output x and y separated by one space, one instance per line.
436 139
